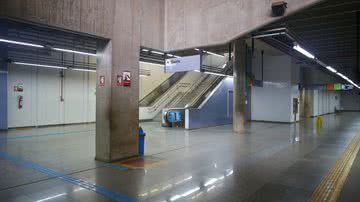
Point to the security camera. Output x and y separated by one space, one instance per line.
278 7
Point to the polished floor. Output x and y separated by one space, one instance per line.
268 162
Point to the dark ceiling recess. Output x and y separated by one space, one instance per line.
329 30
49 38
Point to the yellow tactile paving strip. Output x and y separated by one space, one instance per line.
331 185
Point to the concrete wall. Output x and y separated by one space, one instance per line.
149 83
190 23
41 97
216 111
350 100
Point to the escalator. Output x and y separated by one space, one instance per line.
152 97
181 90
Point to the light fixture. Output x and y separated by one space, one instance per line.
157 52
84 70
145 50
331 69
348 80
211 53
171 55
72 51
223 66
304 52
342 76
39 65
21 43
150 63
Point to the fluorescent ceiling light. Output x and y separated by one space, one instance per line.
150 63
331 69
157 52
304 52
21 43
72 51
84 70
171 55
348 80
145 50
211 53
342 76
39 65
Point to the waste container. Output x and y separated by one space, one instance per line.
141 142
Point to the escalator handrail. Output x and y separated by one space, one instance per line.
161 89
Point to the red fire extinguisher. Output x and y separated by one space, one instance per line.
20 102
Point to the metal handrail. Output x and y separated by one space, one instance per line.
199 99
191 89
154 95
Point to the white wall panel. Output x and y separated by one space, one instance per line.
20 75
42 90
48 97
74 93
91 109
270 103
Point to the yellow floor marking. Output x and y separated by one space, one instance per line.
331 185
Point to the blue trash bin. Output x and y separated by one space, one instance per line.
141 142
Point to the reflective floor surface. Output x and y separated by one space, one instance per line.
268 162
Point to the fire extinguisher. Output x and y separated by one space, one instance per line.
20 102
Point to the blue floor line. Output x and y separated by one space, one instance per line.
70 179
44 135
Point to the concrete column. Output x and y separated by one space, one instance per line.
117 107
239 65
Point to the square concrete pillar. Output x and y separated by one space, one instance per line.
117 107
239 65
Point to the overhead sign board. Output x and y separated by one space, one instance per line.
339 86
182 64
347 87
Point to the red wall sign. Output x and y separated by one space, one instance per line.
126 79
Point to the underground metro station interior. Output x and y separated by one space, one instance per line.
172 100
